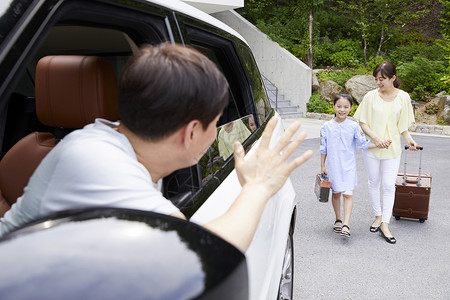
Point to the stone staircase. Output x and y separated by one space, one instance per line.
278 101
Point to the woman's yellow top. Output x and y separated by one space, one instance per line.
387 119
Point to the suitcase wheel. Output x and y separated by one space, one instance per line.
397 217
421 220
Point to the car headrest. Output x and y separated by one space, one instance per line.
71 91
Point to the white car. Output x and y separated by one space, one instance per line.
114 29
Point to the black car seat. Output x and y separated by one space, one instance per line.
71 91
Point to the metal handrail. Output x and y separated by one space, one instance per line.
276 91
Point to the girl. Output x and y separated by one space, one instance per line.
385 115
338 139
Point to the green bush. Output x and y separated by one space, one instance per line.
340 54
317 105
322 53
421 77
347 54
339 76
373 62
444 44
407 53
431 108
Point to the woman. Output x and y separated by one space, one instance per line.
384 114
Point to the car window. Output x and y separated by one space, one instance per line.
79 29
240 121
261 100
235 131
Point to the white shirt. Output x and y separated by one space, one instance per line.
92 167
338 141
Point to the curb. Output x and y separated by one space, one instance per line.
417 128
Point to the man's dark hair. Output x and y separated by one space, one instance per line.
164 87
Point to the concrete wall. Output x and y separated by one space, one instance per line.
291 76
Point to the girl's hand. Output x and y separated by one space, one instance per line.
323 170
388 143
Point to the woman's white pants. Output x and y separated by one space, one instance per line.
382 173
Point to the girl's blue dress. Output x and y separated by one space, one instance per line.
338 141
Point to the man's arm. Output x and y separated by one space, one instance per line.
261 176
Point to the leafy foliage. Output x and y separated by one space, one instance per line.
444 44
431 108
406 53
357 35
421 77
445 17
317 105
340 77
343 53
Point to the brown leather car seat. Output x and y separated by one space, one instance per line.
71 91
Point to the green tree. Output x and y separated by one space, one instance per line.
281 20
445 17
362 10
445 43
391 16
311 7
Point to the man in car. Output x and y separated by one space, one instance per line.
170 99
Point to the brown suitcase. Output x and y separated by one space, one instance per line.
412 194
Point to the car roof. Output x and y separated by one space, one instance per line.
191 11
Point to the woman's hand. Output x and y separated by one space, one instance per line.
382 144
268 169
413 145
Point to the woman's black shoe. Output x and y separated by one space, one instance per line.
390 240
374 229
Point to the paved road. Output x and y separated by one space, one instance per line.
328 266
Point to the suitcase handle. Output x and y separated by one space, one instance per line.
409 180
420 169
407 147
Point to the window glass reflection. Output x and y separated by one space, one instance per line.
222 149
231 132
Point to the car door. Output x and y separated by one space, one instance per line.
247 98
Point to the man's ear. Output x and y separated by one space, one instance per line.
189 132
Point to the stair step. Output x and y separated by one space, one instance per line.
278 101
286 109
292 115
